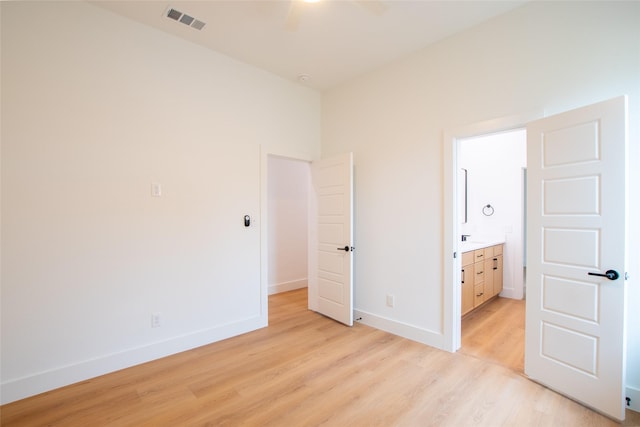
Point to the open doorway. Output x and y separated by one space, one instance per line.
288 183
308 238
491 223
492 227
495 199
564 150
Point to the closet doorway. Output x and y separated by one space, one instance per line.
288 184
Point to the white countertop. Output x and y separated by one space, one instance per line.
472 246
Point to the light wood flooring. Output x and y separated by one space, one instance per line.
307 370
495 332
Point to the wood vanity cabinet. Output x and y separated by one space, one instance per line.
481 276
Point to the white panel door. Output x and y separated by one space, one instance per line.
331 266
575 329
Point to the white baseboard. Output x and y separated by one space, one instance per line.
414 333
510 293
44 381
287 286
633 394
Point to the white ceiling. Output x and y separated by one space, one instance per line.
335 40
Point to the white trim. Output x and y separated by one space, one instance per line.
510 293
264 232
405 330
312 246
451 268
287 286
44 381
633 393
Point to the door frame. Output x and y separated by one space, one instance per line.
451 327
265 153
263 221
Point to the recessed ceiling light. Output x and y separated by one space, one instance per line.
303 78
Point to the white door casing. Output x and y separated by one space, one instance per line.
451 328
331 241
575 322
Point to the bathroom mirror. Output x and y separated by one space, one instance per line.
462 196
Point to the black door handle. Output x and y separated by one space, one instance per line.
346 249
609 274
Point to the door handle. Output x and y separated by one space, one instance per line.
609 274
346 249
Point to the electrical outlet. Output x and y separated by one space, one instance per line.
155 320
390 300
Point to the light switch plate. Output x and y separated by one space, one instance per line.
156 189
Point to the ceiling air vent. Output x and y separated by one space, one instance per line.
176 15
198 25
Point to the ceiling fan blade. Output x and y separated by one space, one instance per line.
377 7
293 17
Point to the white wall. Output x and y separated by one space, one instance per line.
95 108
288 200
494 172
546 55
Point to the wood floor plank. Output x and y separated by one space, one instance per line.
495 332
307 370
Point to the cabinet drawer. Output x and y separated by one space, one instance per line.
479 255
467 258
478 273
497 250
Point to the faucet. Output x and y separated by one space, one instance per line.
465 237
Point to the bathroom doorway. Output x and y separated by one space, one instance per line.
491 214
495 191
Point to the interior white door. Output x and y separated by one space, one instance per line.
331 242
575 329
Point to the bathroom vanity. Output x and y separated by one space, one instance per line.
482 273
